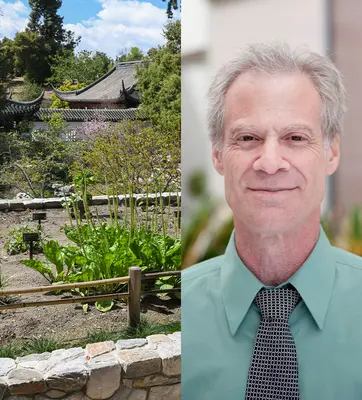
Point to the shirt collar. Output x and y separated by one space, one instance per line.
314 281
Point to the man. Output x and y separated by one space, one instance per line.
279 315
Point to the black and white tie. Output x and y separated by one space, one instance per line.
273 371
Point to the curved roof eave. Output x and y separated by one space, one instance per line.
72 100
26 103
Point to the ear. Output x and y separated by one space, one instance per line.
217 159
333 156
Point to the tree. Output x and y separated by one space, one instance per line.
2 96
6 59
43 38
133 54
85 67
172 5
30 91
45 21
159 82
31 56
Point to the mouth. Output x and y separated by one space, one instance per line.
271 190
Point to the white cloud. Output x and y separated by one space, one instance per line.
14 17
121 24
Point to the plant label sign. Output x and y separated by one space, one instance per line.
31 237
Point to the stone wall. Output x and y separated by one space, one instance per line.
56 202
135 369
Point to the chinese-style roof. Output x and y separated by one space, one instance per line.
80 115
117 85
15 108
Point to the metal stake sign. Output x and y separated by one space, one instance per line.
39 216
30 238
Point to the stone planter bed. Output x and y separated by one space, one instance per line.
135 369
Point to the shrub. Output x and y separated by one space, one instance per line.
15 245
31 91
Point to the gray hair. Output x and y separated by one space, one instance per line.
279 58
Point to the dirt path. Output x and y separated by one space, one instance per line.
63 322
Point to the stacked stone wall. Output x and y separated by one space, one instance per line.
134 369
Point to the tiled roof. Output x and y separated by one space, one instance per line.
74 115
108 88
21 108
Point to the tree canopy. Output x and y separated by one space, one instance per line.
43 38
159 81
133 54
48 24
84 67
6 59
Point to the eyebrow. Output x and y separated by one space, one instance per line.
299 127
243 128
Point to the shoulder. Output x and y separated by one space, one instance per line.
345 259
199 277
202 270
200 284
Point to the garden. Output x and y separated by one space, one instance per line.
133 164
82 242
101 250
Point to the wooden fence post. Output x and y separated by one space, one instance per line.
134 289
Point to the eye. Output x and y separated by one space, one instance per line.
296 138
246 138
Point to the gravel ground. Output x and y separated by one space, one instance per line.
61 322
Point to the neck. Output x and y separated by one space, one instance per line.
274 258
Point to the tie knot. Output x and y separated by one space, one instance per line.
277 303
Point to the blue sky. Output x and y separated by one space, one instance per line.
111 26
75 11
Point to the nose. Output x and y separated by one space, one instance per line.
270 159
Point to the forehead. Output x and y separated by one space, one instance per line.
281 99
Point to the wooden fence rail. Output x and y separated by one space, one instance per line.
134 280
66 286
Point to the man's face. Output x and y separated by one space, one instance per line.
274 158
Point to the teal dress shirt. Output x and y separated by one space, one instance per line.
220 320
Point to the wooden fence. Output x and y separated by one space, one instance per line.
134 280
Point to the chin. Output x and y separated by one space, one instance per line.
271 222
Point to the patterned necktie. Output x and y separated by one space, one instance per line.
273 371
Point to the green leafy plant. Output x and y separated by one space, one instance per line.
168 282
64 258
15 245
104 305
105 252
